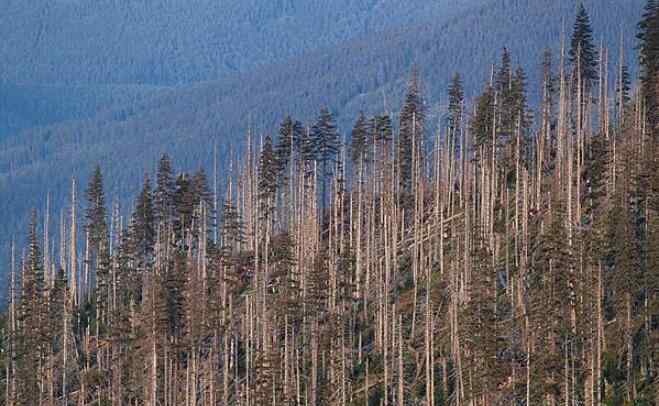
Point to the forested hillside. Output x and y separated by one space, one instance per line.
172 42
27 106
508 256
88 50
135 124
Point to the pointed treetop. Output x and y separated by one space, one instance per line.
96 212
359 139
583 54
456 100
504 75
413 108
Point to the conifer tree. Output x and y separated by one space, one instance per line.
359 141
268 170
411 140
521 120
504 75
646 32
96 213
163 199
201 189
326 141
583 54
623 88
32 322
184 203
482 123
233 234
382 128
290 134
286 284
456 102
144 226
649 58
308 154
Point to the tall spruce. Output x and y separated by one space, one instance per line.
163 197
359 142
326 141
482 123
411 142
648 36
32 322
290 133
96 213
456 104
144 225
268 170
583 54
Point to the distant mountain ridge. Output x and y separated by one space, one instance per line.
82 48
169 42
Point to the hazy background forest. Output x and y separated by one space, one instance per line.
391 203
120 82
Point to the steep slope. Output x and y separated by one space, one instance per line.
173 42
79 50
25 106
353 76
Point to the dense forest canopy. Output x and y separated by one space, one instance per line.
508 255
63 111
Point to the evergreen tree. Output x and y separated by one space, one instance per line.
646 33
583 55
382 128
649 59
32 321
163 197
285 281
144 224
483 120
548 77
456 102
623 89
233 234
519 96
200 189
268 170
184 204
521 121
411 140
504 76
96 213
326 141
359 142
307 155
480 326
506 101
290 134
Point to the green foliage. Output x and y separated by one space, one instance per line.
456 103
483 120
583 54
326 141
144 222
360 142
268 172
96 213
411 140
